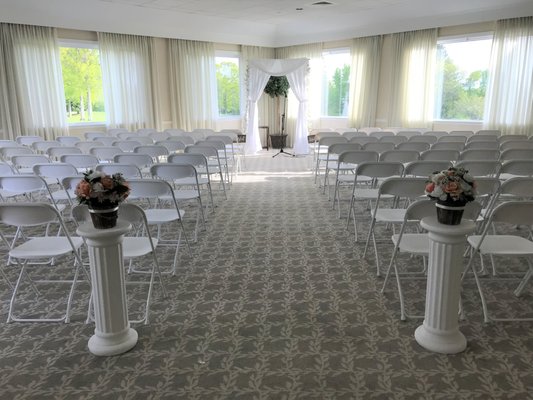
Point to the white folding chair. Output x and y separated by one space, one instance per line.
459 146
403 156
105 154
82 162
23 164
424 168
128 171
410 240
55 153
158 153
126 146
28 140
33 248
68 140
414 146
184 180
156 196
479 155
440 155
138 244
214 167
400 191
508 246
490 168
55 172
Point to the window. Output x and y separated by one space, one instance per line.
82 80
228 85
462 71
336 79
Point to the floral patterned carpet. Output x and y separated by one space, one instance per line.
277 302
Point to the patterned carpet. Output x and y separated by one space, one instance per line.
277 303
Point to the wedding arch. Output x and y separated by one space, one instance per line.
259 71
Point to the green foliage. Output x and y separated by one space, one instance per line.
463 97
82 79
227 74
338 92
277 86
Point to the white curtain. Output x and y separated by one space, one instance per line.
364 79
127 65
32 99
413 78
193 84
509 97
259 71
266 105
313 52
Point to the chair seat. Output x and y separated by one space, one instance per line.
137 246
45 247
413 243
393 215
502 244
162 215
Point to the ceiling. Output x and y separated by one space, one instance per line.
272 23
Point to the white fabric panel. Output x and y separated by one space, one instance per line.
259 72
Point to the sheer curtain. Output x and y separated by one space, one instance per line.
509 97
32 99
413 78
266 106
364 79
127 73
192 84
313 52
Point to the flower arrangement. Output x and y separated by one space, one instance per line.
452 186
101 191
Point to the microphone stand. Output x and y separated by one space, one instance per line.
281 151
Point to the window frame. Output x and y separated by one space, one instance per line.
82 44
469 37
325 80
236 55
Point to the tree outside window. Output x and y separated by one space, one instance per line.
228 86
82 79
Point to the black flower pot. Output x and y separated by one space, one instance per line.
104 218
449 214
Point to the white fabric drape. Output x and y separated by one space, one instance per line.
126 62
413 78
364 79
259 72
192 84
509 97
32 99
266 105
313 52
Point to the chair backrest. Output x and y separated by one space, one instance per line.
28 140
28 214
68 140
143 140
80 160
516 144
424 168
116 131
416 146
459 146
127 170
404 187
172 145
368 129
396 140
138 159
43 146
93 135
489 168
86 146
145 131
487 189
105 153
379 169
440 155
517 167
506 138
453 138
464 133
426 208
150 189
7 152
380 134
183 138
407 134
423 139
126 145
197 160
56 152
480 155
26 184
362 140
152 150
351 134
338 148
55 170
106 140
380 147
516 154
520 186
208 151
171 172
158 136
436 134
513 212
329 140
492 132
482 138
400 155
27 161
483 145
357 156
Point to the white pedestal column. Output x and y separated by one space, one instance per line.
112 333
440 330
